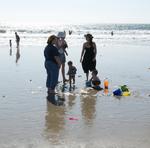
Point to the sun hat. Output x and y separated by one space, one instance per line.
61 35
88 35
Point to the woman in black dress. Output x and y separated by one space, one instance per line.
88 55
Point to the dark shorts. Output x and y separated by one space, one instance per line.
62 58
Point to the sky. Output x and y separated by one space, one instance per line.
75 11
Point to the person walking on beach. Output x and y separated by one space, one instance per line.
88 55
112 33
62 45
70 32
52 63
17 39
10 44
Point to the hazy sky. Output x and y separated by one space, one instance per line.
75 11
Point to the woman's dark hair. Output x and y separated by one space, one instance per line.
50 39
90 39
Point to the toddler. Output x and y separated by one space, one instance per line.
71 72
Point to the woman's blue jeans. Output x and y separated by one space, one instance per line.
52 74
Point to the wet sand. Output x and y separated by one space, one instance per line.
86 118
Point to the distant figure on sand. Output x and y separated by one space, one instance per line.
70 32
52 63
17 39
71 72
10 44
88 55
62 45
112 33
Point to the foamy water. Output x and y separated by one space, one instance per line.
123 33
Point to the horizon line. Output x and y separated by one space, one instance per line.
66 23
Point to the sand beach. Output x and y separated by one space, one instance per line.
87 118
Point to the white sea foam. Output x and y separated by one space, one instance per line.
66 144
37 35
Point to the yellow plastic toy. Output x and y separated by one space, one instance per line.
126 93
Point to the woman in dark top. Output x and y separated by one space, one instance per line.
88 55
52 63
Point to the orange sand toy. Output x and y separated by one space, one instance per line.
106 83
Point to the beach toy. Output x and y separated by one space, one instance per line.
106 83
124 88
72 118
126 93
117 92
105 91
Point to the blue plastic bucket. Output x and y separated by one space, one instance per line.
117 92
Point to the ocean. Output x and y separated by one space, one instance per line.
87 118
123 33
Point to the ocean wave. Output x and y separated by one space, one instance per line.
121 32
79 28
32 31
2 31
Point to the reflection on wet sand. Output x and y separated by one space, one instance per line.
71 100
10 45
54 119
10 52
69 95
88 107
17 54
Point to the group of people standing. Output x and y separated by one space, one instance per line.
55 58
